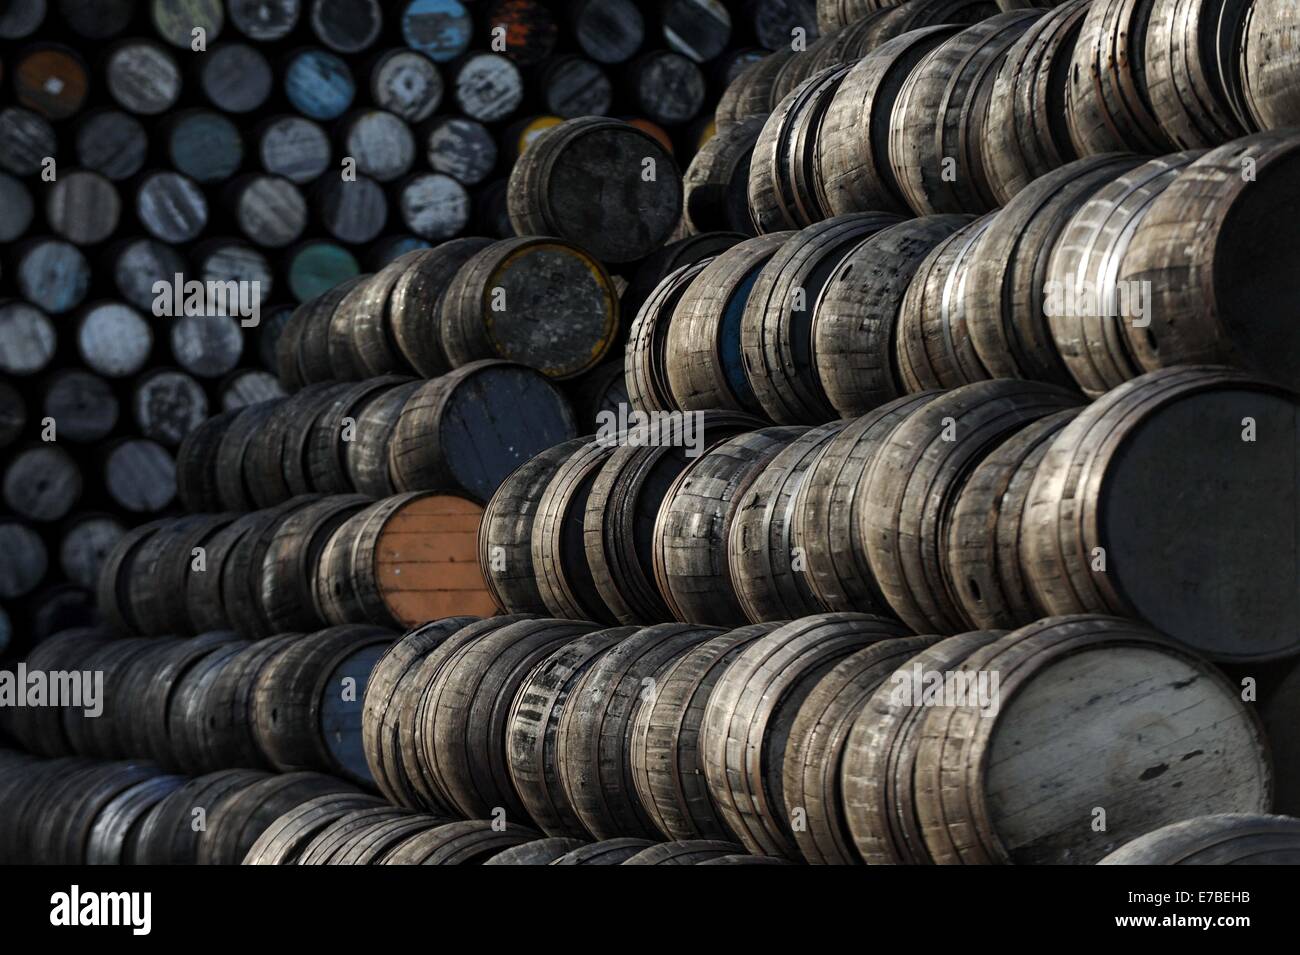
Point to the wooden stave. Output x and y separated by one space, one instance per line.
537 852
646 358
283 842
180 735
414 305
468 842
1269 101
166 836
366 456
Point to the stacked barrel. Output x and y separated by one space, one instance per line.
296 144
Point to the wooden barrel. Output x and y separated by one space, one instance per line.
691 567
573 86
608 31
51 79
440 29
982 560
1266 35
113 339
288 570
366 455
937 446
264 21
390 683
667 87
29 340
855 327
307 701
505 535
405 560
52 275
181 743
1278 706
750 95
236 78
376 842
688 852
715 189
532 753
406 84
776 331
537 852
397 325
171 207
605 852
666 755
592 743
487 87
1051 672
42 483
28 138
111 143
164 716
166 405
852 172
469 842
41 730
507 302
598 395
818 747
1109 105
21 20
466 709
114 830
746 720
293 147
142 77
699 29
347 26
937 126
83 207
346 832
241 565
782 192
932 345
167 835
236 819
1006 299
1090 336
601 183
654 268
16 208
646 355
470 428
462 148
769 573
82 405
1235 417
1027 132
138 264
1239 228
1221 839
139 475
286 840
380 142
318 84
223 709
13 414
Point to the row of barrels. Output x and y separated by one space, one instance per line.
1106 268
827 739
985 506
75 811
207 703
312 561
955 106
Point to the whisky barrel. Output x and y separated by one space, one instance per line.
1278 711
537 852
352 211
167 835
933 347
51 79
702 341
667 87
181 733
1267 37
44 782
167 405
407 559
646 356
592 743
505 535
113 339
750 95
52 275
777 329
750 711
1027 132
573 86
236 78
366 456
13 414
285 841
302 353
686 852
462 148
855 326
21 20
236 819
330 432
390 681
62 830
208 346
42 483
542 302
1207 232
605 852
153 684
287 572
380 142
466 713
982 560
409 320
1155 714
293 147
83 406
532 729
41 729
560 567
598 396
171 207
162 568
853 173
28 137
241 584
1109 105
629 489
264 21
318 84
938 119
1220 839
307 701
29 340
440 29
224 709
654 268
1085 558
1005 296
816 750
138 264
715 188
374 844
487 87
407 84
84 545
600 183
83 207
94 735
469 429
666 754
1085 319
693 525
114 831
469 842
880 747
904 524
347 831
110 142
16 208
139 475
767 570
